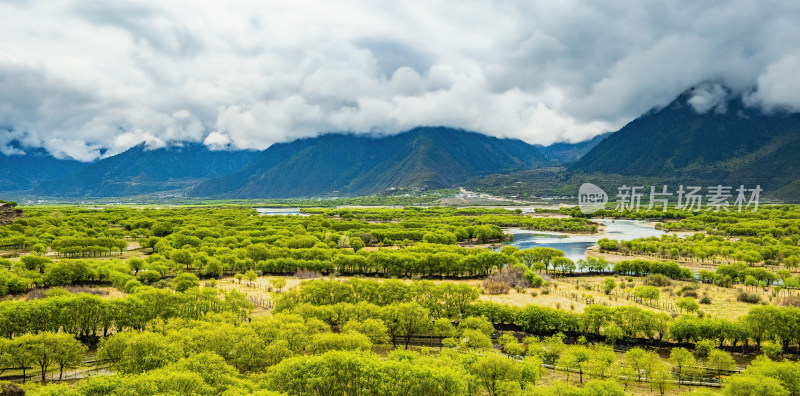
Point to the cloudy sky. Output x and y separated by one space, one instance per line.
85 78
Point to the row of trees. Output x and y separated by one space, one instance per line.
337 302
445 300
712 249
42 350
89 315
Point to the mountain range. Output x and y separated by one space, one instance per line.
20 172
427 158
141 170
732 143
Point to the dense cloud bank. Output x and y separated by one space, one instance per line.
85 79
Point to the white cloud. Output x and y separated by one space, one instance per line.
709 96
217 141
85 79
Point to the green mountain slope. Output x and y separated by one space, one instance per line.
20 172
677 145
141 171
677 141
341 164
564 153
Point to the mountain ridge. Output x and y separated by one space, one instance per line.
425 157
141 170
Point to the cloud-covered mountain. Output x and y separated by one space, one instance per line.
715 140
140 170
356 165
23 170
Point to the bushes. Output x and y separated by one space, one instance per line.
510 275
351 373
690 293
638 267
351 341
657 280
306 274
750 298
791 301
494 287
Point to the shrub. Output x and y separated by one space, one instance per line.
532 277
510 275
772 349
534 293
690 293
750 298
705 300
657 280
791 301
704 347
494 287
306 274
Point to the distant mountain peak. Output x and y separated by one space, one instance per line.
428 157
709 133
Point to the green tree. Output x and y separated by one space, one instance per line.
772 349
493 368
136 264
687 304
185 281
357 244
21 353
683 362
182 257
350 341
43 353
609 285
250 277
574 359
720 360
213 269
139 352
374 329
68 352
750 385
405 320
278 283
649 293
477 323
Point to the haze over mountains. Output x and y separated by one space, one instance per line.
728 142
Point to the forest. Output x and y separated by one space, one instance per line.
384 301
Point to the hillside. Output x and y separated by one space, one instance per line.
677 141
677 145
21 172
140 170
342 164
564 153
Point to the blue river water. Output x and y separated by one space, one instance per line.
279 211
574 246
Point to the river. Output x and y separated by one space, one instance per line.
574 246
279 211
